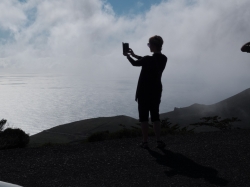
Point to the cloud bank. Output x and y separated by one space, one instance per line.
202 39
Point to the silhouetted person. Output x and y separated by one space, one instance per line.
149 88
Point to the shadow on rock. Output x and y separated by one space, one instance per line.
181 165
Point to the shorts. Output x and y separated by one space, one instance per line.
151 105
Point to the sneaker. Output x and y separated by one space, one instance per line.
144 145
160 144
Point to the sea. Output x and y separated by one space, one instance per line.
35 102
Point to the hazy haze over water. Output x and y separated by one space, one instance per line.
38 102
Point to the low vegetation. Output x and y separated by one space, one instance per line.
217 122
166 128
17 138
12 138
2 124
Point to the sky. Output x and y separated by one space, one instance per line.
133 7
202 39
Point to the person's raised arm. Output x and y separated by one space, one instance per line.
133 54
142 61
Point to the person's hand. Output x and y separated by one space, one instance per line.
131 52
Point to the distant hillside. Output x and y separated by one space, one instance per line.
235 106
81 129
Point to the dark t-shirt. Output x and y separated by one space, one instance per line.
149 83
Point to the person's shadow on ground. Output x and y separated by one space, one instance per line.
181 165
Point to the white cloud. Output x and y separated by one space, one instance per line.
11 15
202 38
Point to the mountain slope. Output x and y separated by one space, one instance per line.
235 106
81 129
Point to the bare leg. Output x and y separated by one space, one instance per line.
157 129
144 127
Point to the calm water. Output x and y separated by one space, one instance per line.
35 103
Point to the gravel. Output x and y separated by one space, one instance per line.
202 159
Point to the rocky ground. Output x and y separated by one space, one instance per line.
203 159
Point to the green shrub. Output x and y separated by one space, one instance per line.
13 138
2 123
166 128
217 122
